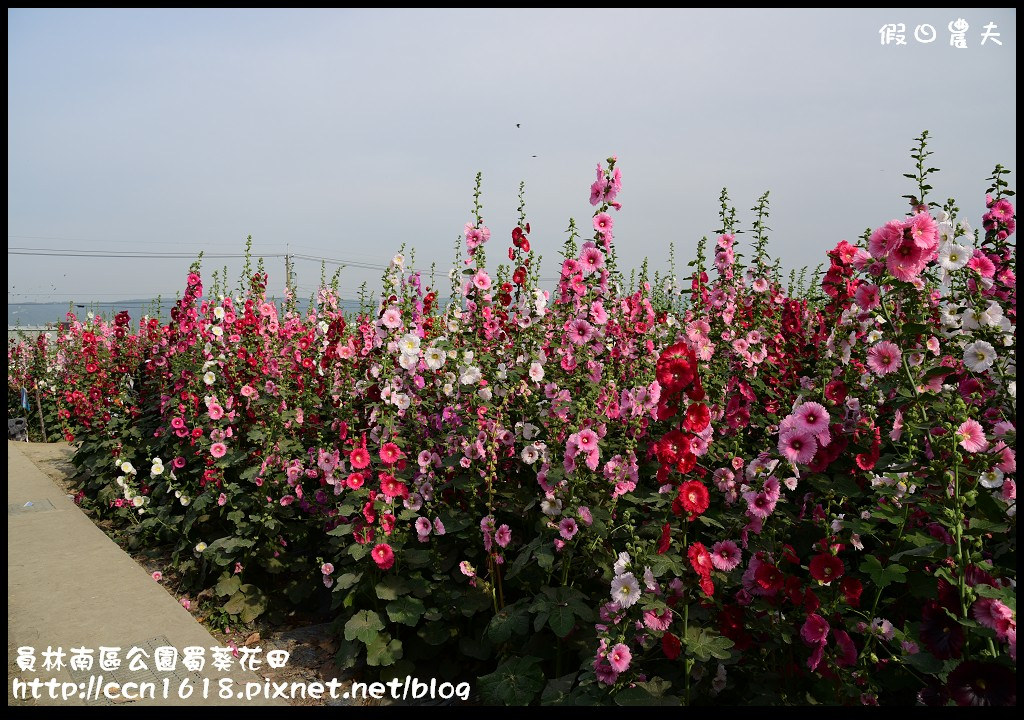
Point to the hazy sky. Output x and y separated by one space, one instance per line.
345 133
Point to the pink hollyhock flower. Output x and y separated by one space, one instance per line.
603 223
981 264
423 528
619 658
354 481
993 614
568 528
391 319
218 450
658 622
867 296
383 555
897 427
591 260
222 500
885 239
389 453
481 280
725 555
579 331
884 357
907 261
186 603
811 418
972 436
439 527
503 536
924 231
178 462
215 411
798 447
598 313
847 649
585 517
158 576
359 458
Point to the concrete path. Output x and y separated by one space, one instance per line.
69 587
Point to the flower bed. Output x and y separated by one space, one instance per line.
732 492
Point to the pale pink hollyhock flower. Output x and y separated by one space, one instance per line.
423 527
884 358
215 411
760 285
972 436
587 440
1008 490
658 622
327 568
885 239
248 391
993 614
391 319
186 603
598 313
267 310
222 500
933 345
585 517
158 576
619 658
897 427
503 536
218 450
481 280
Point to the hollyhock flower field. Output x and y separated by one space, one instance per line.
719 490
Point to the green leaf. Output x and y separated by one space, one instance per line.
516 682
510 620
383 651
479 649
391 587
647 693
255 603
883 576
562 620
924 662
556 692
228 585
406 610
435 633
364 625
918 551
347 580
416 558
704 644
521 559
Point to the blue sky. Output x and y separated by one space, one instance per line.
345 133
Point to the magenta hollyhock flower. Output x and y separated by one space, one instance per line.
972 436
619 658
383 555
884 357
924 231
218 450
725 555
568 528
885 239
907 261
798 447
503 536
812 418
815 630
847 650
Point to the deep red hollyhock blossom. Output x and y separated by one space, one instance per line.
383 555
851 588
826 567
940 633
836 392
731 625
707 586
687 462
671 447
671 646
769 577
982 683
666 539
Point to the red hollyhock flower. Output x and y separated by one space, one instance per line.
671 646
707 586
359 458
674 373
700 559
666 539
836 391
671 447
826 567
694 498
851 588
769 577
392 487
389 453
698 417
383 555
